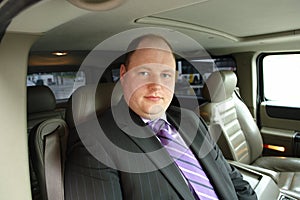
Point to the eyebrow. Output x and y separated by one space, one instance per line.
169 70
147 67
143 67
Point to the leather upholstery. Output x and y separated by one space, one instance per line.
289 164
238 136
47 145
43 120
222 115
249 128
89 100
39 99
289 183
41 105
215 90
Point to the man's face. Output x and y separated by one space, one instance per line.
148 81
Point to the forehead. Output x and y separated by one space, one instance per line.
154 43
152 56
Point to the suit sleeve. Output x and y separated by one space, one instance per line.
242 187
87 178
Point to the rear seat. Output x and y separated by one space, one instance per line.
89 100
45 127
41 105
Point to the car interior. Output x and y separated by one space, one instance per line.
237 68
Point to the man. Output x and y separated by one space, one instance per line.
142 163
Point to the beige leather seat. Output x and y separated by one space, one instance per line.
48 134
238 136
47 147
90 100
41 105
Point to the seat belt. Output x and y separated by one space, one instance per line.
237 93
53 167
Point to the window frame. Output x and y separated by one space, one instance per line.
274 109
260 73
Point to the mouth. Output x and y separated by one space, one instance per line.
153 98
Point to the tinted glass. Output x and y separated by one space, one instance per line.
61 83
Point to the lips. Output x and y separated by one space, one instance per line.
153 98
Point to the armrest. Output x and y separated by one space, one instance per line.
279 164
274 175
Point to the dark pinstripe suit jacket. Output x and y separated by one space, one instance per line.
96 170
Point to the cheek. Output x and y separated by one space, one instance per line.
137 93
132 91
168 85
169 89
168 97
169 94
132 86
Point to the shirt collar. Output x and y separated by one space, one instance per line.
164 117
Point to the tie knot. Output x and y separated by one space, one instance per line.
161 128
157 125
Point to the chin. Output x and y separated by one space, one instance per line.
154 116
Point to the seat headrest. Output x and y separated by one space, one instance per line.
90 100
219 86
39 99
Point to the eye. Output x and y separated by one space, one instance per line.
166 75
143 73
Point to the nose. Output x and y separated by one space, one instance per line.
155 82
154 86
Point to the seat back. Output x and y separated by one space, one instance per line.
48 139
229 120
89 100
41 105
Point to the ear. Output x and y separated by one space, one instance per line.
122 71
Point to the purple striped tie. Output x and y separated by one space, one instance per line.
185 160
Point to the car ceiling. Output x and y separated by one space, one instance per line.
220 26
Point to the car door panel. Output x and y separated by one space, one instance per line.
279 127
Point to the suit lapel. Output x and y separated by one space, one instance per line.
165 164
150 145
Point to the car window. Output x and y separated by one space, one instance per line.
61 83
281 78
193 73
